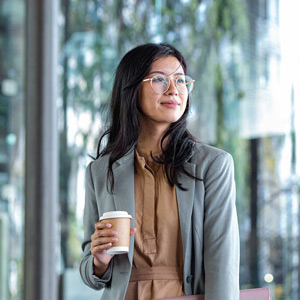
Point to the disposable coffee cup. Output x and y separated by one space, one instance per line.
120 221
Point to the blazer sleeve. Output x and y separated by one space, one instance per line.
90 218
221 234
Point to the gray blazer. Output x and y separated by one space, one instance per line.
208 222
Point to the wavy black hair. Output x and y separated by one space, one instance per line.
124 129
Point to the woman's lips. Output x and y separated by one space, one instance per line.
170 103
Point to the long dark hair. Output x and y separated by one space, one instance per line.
124 129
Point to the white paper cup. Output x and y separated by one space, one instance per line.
120 221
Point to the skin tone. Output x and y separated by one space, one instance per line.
102 239
159 111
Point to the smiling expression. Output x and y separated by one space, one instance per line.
166 108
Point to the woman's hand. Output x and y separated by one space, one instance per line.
102 239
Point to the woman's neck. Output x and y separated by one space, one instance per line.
150 140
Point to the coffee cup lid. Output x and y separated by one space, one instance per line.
115 214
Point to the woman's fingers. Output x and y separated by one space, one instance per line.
101 241
102 225
103 238
103 233
132 231
100 248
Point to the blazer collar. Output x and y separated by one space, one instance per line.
123 160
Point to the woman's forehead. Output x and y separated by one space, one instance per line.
168 65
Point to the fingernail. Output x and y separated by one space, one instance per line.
114 239
108 225
114 232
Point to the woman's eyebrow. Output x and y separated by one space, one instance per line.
164 73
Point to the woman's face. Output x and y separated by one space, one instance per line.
166 108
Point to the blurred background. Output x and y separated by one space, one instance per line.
57 62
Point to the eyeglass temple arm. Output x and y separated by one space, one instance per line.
190 81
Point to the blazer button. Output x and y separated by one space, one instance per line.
189 279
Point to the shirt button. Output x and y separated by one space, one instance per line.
189 279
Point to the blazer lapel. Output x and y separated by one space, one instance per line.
124 197
185 200
123 193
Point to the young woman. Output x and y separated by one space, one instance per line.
181 193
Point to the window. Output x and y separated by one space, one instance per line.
11 148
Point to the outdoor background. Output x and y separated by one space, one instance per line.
245 58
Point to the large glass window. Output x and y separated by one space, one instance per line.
243 55
11 148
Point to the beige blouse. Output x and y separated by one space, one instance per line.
157 270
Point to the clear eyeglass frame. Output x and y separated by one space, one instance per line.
188 82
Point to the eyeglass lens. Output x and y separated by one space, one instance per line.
160 84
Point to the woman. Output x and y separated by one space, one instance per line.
184 235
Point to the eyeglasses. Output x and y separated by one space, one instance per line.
161 83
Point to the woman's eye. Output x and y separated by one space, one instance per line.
180 80
159 79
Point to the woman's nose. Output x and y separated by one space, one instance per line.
172 90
